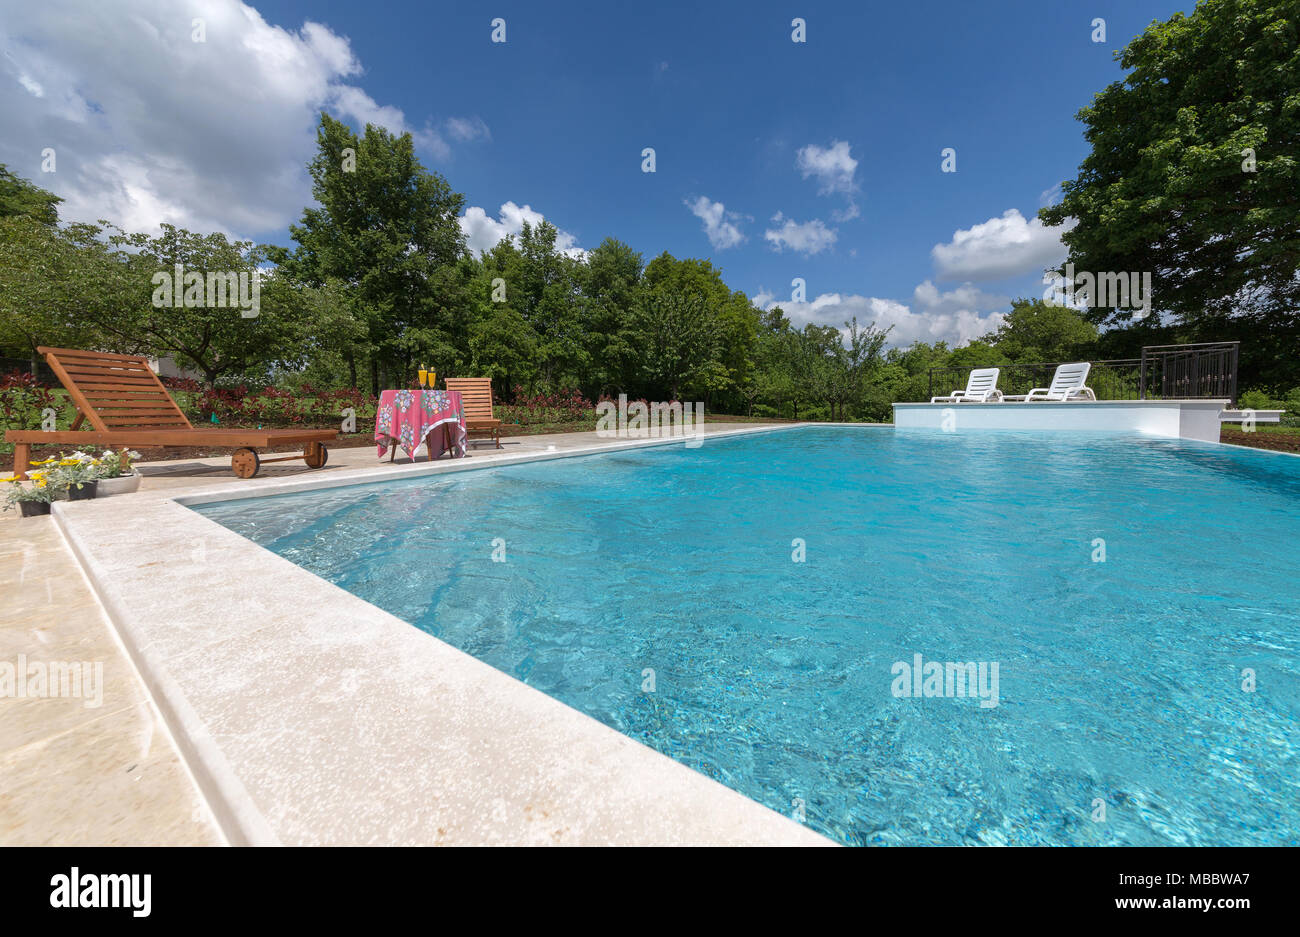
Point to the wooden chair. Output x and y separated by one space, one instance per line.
128 406
476 397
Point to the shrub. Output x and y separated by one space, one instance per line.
564 407
23 399
274 406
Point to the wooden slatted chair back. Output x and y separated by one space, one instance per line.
475 395
115 391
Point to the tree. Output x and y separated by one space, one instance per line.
813 352
548 298
502 343
387 228
217 340
331 328
611 280
734 318
856 357
57 285
1036 331
20 198
676 338
1194 173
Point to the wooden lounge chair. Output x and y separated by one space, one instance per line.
476 397
128 406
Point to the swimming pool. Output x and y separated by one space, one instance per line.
744 608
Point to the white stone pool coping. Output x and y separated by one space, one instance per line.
1185 419
309 716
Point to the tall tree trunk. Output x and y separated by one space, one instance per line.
352 369
374 377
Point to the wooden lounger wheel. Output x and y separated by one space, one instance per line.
316 455
245 463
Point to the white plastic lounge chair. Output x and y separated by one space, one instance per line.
981 387
1067 384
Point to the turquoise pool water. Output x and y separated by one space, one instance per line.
1119 682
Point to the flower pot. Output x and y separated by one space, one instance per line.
121 485
84 493
33 508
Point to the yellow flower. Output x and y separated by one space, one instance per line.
52 458
11 478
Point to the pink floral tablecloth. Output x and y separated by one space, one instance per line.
409 417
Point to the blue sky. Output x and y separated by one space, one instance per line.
775 159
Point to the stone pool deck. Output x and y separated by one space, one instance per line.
292 711
72 774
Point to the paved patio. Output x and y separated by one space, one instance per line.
72 774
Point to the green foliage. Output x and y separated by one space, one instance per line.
1168 187
22 199
385 233
58 284
1034 331
677 338
536 410
1259 399
215 340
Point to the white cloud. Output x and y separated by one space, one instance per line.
361 108
846 214
150 126
810 237
468 129
929 298
836 172
833 166
998 248
1050 196
32 87
954 317
719 224
482 232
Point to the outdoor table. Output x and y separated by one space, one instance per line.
407 418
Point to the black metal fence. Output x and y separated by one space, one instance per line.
1189 371
1164 372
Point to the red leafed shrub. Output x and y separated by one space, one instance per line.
23 400
567 406
181 383
274 406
